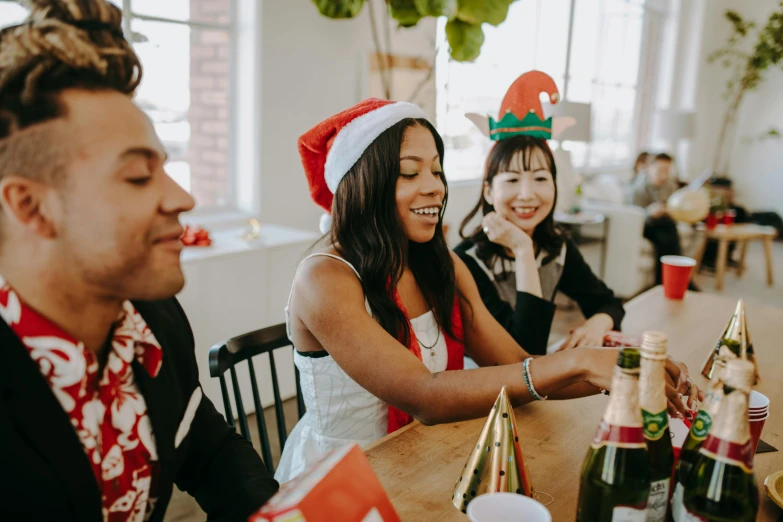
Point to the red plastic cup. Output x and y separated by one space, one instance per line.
756 426
676 275
729 216
711 222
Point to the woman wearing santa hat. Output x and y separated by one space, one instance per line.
518 257
381 318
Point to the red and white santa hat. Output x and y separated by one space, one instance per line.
332 147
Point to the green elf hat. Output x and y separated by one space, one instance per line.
521 112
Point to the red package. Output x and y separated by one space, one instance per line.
619 339
342 486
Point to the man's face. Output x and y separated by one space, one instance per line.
118 228
659 172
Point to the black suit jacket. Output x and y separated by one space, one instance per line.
46 476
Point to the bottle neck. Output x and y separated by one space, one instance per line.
714 394
652 384
729 439
623 408
731 422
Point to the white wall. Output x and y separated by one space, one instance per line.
311 68
756 168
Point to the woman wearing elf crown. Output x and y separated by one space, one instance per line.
517 256
382 317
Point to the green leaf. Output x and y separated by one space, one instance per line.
464 39
477 12
405 12
339 8
447 8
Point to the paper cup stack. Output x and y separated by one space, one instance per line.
758 413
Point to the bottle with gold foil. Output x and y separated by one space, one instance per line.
652 399
721 486
615 483
700 427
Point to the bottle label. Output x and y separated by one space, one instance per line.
659 501
655 424
731 453
677 505
618 436
701 425
628 514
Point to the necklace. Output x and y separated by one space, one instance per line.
437 338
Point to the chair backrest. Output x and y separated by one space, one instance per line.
226 356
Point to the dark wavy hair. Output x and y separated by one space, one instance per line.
367 232
546 235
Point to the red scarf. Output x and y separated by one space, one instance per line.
108 412
454 346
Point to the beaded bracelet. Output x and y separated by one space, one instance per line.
529 380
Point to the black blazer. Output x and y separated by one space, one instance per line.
530 320
46 476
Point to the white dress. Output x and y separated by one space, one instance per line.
339 411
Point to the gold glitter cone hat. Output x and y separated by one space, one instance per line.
496 463
733 343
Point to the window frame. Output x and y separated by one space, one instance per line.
210 213
646 59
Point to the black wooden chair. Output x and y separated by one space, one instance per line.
225 357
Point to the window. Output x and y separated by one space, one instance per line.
606 48
185 47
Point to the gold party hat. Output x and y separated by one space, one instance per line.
496 463
734 343
746 348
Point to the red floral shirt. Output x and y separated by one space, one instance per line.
108 412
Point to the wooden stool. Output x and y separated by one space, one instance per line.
741 233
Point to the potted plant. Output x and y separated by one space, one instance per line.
463 29
748 67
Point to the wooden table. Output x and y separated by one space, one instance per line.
741 233
418 465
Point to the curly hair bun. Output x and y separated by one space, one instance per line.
67 43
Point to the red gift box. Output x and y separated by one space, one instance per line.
342 486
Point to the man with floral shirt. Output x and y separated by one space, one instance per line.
101 411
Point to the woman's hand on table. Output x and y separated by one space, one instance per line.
591 333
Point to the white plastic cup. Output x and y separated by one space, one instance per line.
505 507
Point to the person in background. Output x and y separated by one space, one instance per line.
382 315
101 410
651 191
518 257
640 165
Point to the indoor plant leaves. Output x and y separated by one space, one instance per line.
447 8
477 12
339 8
465 39
405 12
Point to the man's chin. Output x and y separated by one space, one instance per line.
161 287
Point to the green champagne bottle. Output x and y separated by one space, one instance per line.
652 399
721 486
700 427
615 483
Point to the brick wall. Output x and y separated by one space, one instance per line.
208 152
